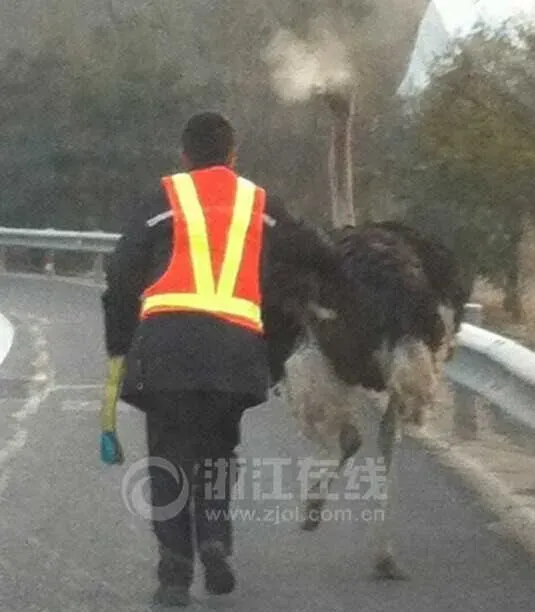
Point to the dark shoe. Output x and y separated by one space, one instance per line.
174 569
219 578
172 596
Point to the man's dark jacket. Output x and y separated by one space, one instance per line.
178 351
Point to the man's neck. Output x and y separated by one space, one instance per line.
209 167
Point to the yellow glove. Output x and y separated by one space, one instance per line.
110 448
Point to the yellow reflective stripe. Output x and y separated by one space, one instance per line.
197 232
241 219
214 303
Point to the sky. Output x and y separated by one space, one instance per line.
463 13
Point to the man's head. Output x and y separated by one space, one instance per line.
208 140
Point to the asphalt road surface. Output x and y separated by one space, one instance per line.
68 541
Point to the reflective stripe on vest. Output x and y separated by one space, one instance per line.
209 297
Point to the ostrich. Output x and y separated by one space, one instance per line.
389 329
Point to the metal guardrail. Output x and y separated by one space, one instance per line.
51 240
491 370
58 240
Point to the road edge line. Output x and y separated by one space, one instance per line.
517 519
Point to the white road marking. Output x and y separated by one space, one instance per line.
41 361
77 387
7 333
39 377
4 479
31 405
13 445
41 343
41 386
90 406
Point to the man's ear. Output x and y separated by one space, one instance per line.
232 159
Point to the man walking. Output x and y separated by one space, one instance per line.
184 306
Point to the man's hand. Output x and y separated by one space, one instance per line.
111 451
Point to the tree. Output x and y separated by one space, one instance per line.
473 142
92 112
85 144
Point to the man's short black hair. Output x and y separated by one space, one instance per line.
208 139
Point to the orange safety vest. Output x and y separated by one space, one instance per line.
217 242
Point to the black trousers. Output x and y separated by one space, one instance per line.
191 437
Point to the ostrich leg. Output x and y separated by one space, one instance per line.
389 440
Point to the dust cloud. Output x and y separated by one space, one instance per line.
301 68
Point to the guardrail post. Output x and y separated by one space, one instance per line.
50 265
466 402
464 423
98 272
473 314
3 258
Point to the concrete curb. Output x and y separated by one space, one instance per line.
515 518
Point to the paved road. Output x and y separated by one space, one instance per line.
68 543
